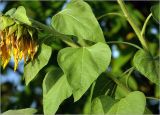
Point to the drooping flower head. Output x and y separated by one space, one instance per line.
18 40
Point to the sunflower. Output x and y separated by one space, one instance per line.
17 40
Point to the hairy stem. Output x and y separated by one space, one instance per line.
92 89
66 39
134 26
113 77
107 14
154 98
120 42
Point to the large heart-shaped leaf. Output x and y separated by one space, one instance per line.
155 12
147 65
78 19
27 111
83 65
20 15
133 103
55 90
32 68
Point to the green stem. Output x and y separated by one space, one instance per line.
120 42
153 98
119 83
134 26
128 70
145 24
129 73
66 39
116 14
92 89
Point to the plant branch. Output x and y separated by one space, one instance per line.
145 24
128 70
153 98
120 42
65 38
119 83
107 14
133 25
92 89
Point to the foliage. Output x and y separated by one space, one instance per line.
74 59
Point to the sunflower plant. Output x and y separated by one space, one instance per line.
83 64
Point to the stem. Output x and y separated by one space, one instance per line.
119 83
116 14
153 98
92 89
66 39
145 24
120 42
128 70
129 73
134 26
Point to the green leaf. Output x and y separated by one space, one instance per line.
55 90
5 22
27 111
148 66
147 111
155 12
87 106
33 67
104 86
83 65
20 15
78 19
102 104
133 103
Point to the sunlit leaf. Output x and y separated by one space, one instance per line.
133 103
27 111
55 90
78 19
33 67
147 65
83 65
